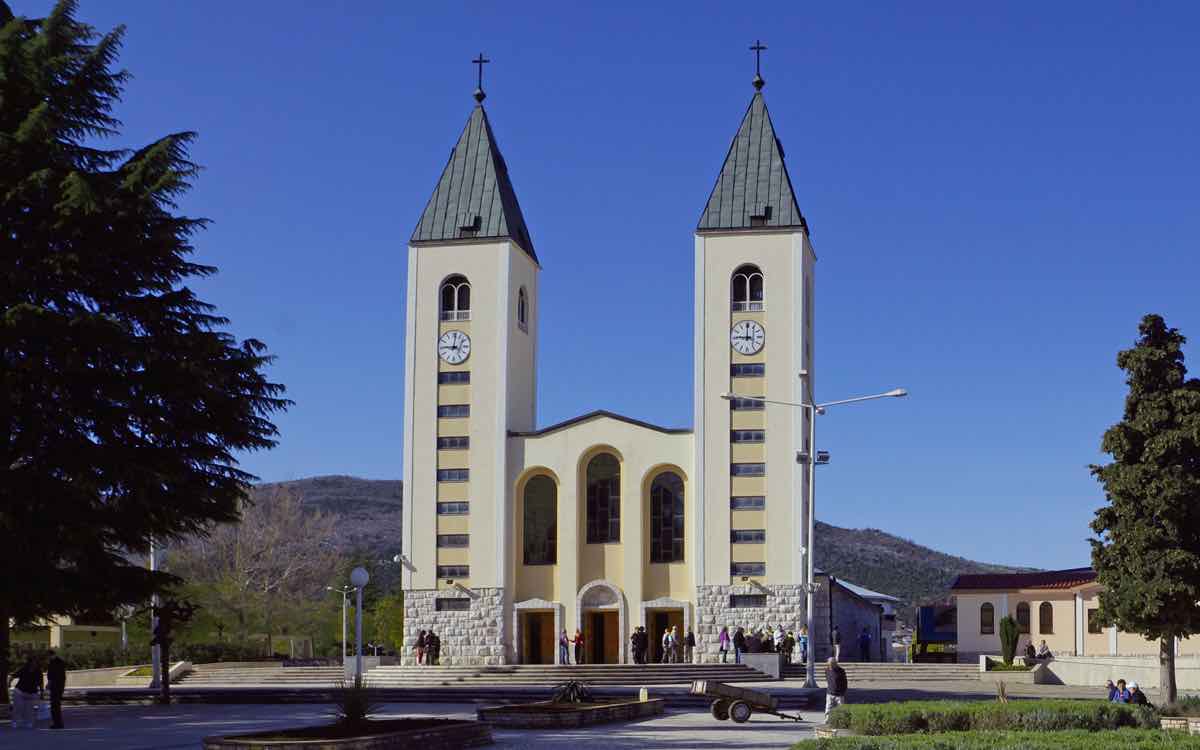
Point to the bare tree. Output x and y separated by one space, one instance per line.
278 556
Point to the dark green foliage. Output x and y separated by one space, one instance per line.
1147 550
1010 635
1125 739
100 657
1032 716
572 691
1187 705
122 400
352 705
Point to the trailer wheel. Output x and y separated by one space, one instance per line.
720 709
740 711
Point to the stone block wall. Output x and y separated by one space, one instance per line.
785 606
477 635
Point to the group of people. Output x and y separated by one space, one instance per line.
564 647
428 647
1120 693
1041 653
30 687
762 641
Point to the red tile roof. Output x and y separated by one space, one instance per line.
1046 579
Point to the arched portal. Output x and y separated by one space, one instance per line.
601 614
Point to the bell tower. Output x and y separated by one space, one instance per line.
470 349
754 336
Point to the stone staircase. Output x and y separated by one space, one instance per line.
252 674
535 675
230 674
893 673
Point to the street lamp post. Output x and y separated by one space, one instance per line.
358 579
811 458
345 592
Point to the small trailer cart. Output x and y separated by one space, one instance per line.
737 703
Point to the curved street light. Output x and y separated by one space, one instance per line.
813 458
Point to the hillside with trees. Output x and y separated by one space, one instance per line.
367 517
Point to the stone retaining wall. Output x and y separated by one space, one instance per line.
785 606
476 635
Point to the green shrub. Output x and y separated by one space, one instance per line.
949 716
995 666
1186 705
1124 739
1010 634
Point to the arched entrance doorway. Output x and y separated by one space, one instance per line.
600 614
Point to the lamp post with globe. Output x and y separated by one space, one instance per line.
358 579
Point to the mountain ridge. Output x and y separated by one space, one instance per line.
368 513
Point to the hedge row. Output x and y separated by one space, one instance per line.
911 717
99 657
1124 739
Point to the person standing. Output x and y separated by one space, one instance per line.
689 647
578 646
803 642
864 644
419 648
835 686
56 679
433 648
666 646
739 644
723 642
25 694
835 638
564 650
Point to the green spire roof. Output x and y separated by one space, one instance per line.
754 190
474 197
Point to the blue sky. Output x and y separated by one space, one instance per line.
997 193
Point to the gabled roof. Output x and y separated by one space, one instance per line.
867 593
754 190
474 197
601 413
1046 579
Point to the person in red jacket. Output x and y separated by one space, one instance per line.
578 646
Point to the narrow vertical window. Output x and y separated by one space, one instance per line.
603 499
541 521
666 518
522 310
1046 618
987 619
1023 617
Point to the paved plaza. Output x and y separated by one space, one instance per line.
183 726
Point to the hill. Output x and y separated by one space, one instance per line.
368 513
891 565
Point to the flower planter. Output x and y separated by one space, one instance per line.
826 732
1189 724
410 734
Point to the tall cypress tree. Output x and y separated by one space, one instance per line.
122 399
1147 553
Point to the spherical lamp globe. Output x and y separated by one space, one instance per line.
359 577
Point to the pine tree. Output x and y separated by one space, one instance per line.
122 400
1147 554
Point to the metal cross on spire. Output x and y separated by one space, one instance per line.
479 95
757 49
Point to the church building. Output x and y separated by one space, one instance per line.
514 531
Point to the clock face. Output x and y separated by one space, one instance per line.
747 337
454 347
